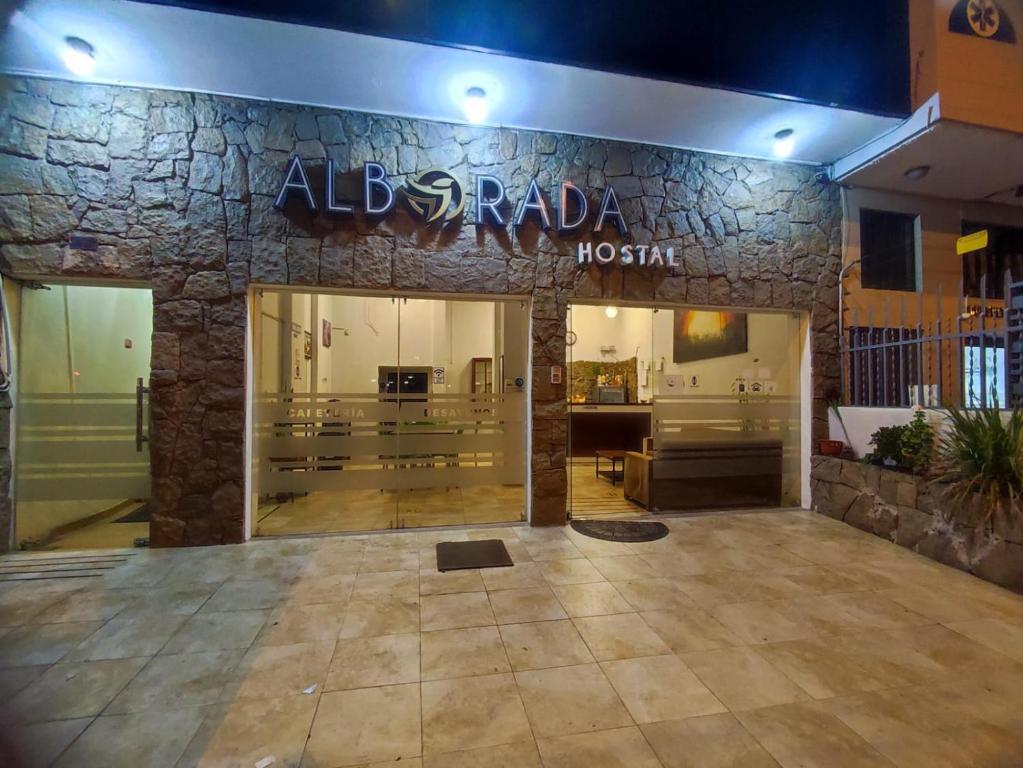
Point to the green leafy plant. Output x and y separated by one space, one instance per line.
887 442
916 444
983 456
907 446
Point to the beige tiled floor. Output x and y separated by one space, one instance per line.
755 640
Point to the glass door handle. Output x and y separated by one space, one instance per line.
140 392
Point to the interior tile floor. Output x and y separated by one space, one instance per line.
101 531
591 496
755 639
376 510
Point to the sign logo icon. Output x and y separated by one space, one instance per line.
981 18
435 195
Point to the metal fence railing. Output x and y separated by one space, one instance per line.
936 351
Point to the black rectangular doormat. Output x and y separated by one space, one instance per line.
459 555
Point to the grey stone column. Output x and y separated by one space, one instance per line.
549 411
197 403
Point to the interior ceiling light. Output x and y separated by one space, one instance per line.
611 312
784 142
475 105
79 56
917 172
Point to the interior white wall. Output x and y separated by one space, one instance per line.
433 333
773 348
74 336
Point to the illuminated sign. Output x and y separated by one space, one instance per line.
437 196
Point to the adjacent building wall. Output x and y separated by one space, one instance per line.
178 187
975 76
940 268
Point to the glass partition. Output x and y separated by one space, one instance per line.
83 416
676 408
366 414
726 394
609 364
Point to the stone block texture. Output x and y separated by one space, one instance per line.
177 188
923 516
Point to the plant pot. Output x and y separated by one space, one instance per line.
831 447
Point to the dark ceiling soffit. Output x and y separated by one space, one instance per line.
209 7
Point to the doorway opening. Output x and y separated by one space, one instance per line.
82 475
377 412
675 409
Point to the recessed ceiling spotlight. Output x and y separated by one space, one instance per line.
475 105
917 172
784 142
79 56
611 312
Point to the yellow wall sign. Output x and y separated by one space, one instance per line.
972 242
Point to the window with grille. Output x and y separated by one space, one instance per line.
987 268
888 250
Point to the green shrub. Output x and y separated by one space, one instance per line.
983 455
887 442
917 444
909 446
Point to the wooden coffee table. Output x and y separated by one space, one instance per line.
614 456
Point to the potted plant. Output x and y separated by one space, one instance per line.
831 447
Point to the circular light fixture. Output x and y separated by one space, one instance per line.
784 142
79 56
475 105
611 312
917 172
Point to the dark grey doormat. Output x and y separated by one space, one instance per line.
459 555
138 515
621 530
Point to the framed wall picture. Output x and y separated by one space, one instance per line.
325 333
701 335
307 345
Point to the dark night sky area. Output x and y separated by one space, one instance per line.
851 54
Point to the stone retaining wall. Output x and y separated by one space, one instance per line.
922 516
178 190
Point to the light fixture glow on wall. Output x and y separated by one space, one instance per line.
475 105
611 312
784 142
79 56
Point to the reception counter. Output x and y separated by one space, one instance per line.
594 427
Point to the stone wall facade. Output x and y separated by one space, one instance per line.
920 515
178 190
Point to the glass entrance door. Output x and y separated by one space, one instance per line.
376 412
81 455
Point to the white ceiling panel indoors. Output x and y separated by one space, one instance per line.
159 46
